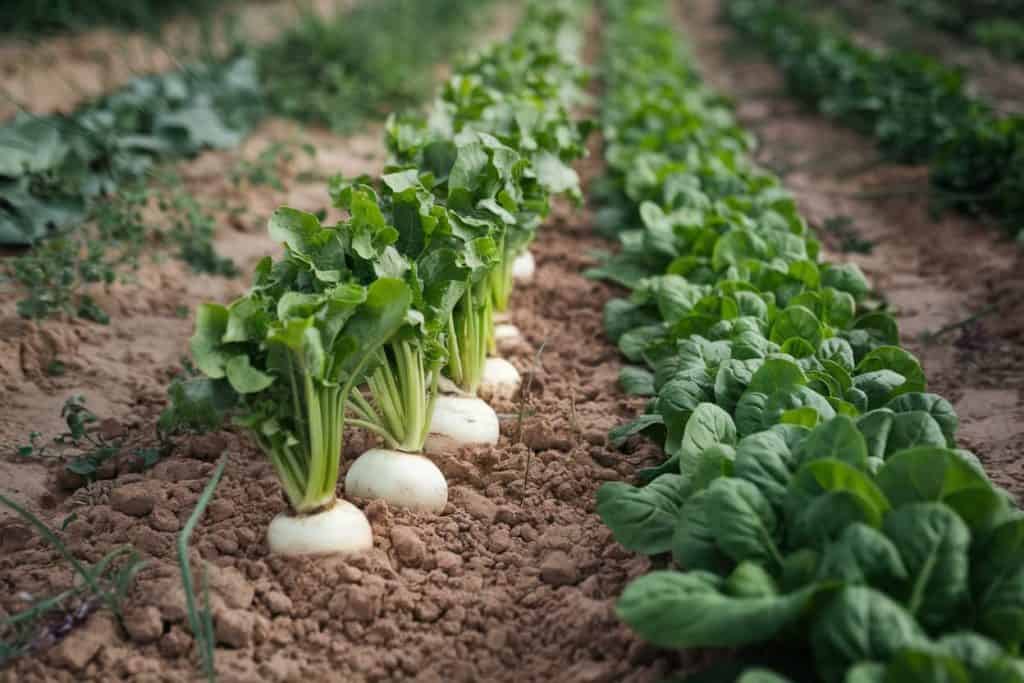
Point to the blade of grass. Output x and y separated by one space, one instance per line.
44 531
201 624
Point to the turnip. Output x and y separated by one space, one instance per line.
500 380
523 267
506 335
401 397
287 355
341 528
461 421
407 480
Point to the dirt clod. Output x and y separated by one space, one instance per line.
411 550
143 624
229 584
558 569
480 507
82 645
278 603
137 500
234 627
359 603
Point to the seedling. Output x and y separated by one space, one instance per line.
200 619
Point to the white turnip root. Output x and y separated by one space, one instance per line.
523 267
404 480
500 380
461 421
340 529
506 333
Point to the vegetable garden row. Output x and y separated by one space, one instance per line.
406 286
813 494
812 517
918 109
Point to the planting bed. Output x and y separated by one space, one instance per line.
936 272
518 578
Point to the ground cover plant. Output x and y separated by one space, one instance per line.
813 495
342 71
919 110
59 172
30 19
995 24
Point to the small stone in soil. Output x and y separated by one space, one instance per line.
137 500
234 627
558 569
409 547
144 624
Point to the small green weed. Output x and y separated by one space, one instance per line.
47 620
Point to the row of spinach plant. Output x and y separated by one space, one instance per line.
918 109
813 509
994 24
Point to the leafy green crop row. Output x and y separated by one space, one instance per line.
53 168
813 498
33 17
918 109
996 24
403 287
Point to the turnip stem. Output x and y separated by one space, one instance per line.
402 389
470 335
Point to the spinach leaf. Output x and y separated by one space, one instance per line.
933 542
643 519
678 610
861 624
742 521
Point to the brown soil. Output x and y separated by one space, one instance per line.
934 272
514 581
56 74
